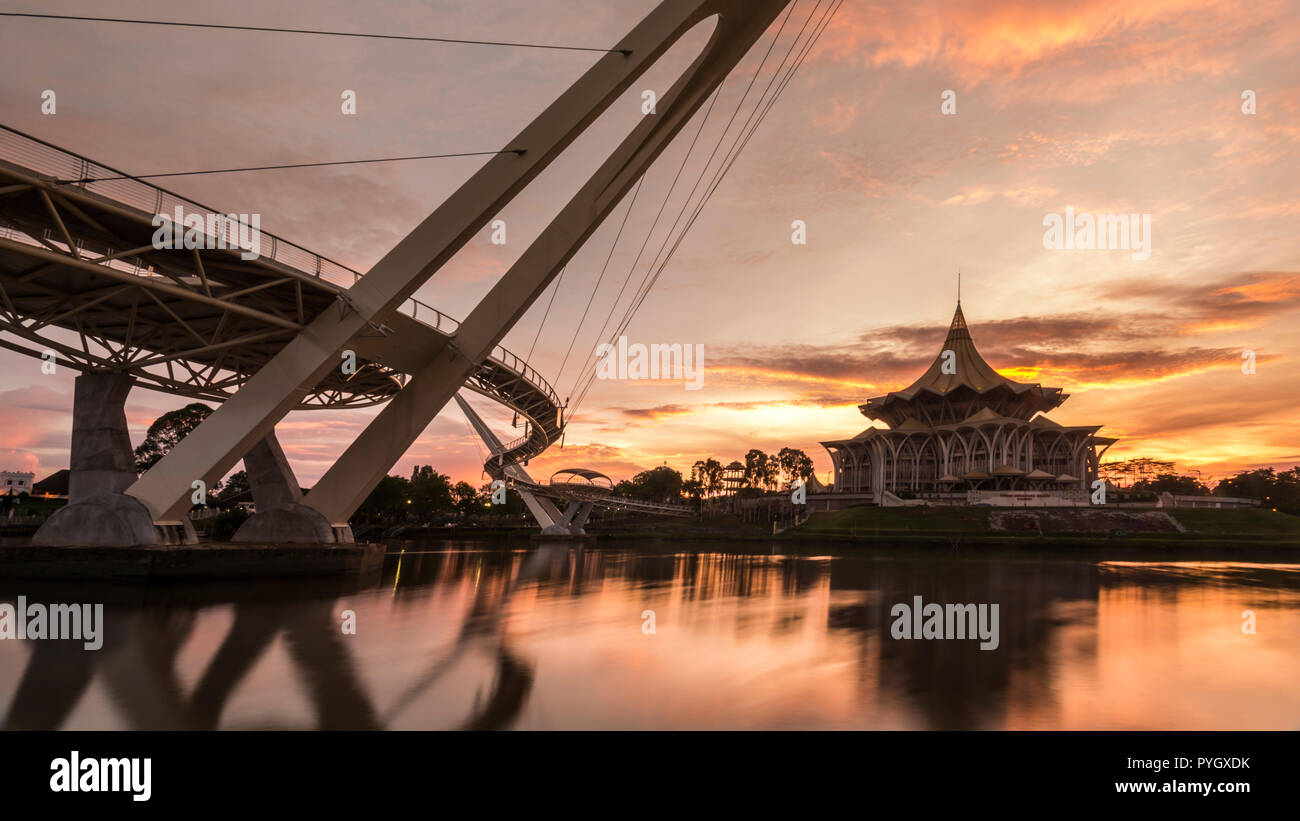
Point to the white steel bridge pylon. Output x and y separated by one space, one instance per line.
162 495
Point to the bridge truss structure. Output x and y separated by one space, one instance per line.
83 286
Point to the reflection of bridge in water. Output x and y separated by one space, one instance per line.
514 626
85 285
138 663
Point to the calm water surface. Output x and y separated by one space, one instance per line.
466 636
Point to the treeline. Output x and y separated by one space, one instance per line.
709 478
429 496
760 472
1270 487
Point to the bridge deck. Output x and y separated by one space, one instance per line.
600 498
80 277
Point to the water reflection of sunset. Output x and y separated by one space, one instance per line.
553 639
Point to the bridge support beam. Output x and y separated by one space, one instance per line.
347 483
270 478
101 468
281 516
576 527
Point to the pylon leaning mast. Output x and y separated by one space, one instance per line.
163 493
348 482
543 509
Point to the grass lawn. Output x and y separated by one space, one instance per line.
883 521
1247 522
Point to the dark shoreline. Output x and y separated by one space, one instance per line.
1177 548
246 563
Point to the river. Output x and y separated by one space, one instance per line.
629 635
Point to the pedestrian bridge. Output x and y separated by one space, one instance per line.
263 326
586 485
82 284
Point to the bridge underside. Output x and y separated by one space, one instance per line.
79 276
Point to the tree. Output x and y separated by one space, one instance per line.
430 492
661 484
771 469
1249 484
514 505
694 489
388 501
166 431
1278 490
235 485
795 465
708 472
1128 472
757 470
1173 483
466 498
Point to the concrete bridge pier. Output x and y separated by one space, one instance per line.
580 519
281 516
571 523
101 468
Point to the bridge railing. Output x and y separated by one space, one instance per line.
72 169
514 445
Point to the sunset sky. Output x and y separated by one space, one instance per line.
1100 106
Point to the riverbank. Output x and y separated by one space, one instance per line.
1194 529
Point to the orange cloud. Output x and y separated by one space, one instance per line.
1006 37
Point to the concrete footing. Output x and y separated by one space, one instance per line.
292 523
110 520
100 514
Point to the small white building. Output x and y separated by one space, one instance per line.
1170 500
14 482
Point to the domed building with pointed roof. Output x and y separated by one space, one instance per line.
963 429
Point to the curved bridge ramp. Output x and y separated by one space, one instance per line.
578 490
82 282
